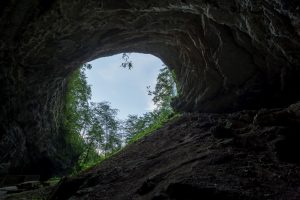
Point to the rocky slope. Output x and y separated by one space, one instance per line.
242 155
227 56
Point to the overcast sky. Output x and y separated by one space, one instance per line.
125 89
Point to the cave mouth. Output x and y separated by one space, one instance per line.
126 89
114 101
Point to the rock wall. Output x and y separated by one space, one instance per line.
227 55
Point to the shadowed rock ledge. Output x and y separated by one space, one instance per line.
243 155
227 56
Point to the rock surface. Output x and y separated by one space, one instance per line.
11 180
243 155
227 56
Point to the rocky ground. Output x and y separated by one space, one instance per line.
37 194
12 189
242 155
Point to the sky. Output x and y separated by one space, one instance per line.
125 89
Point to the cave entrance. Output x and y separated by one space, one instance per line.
126 89
114 101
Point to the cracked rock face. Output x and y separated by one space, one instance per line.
227 56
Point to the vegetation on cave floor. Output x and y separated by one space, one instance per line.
92 128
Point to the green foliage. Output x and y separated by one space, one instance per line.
136 127
156 124
127 63
76 112
106 120
53 181
92 129
86 165
165 89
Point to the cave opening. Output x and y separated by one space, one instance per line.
114 101
126 89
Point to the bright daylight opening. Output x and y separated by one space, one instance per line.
114 101
125 89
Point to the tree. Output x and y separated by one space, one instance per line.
77 101
106 117
93 128
94 138
127 63
132 126
76 112
165 89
